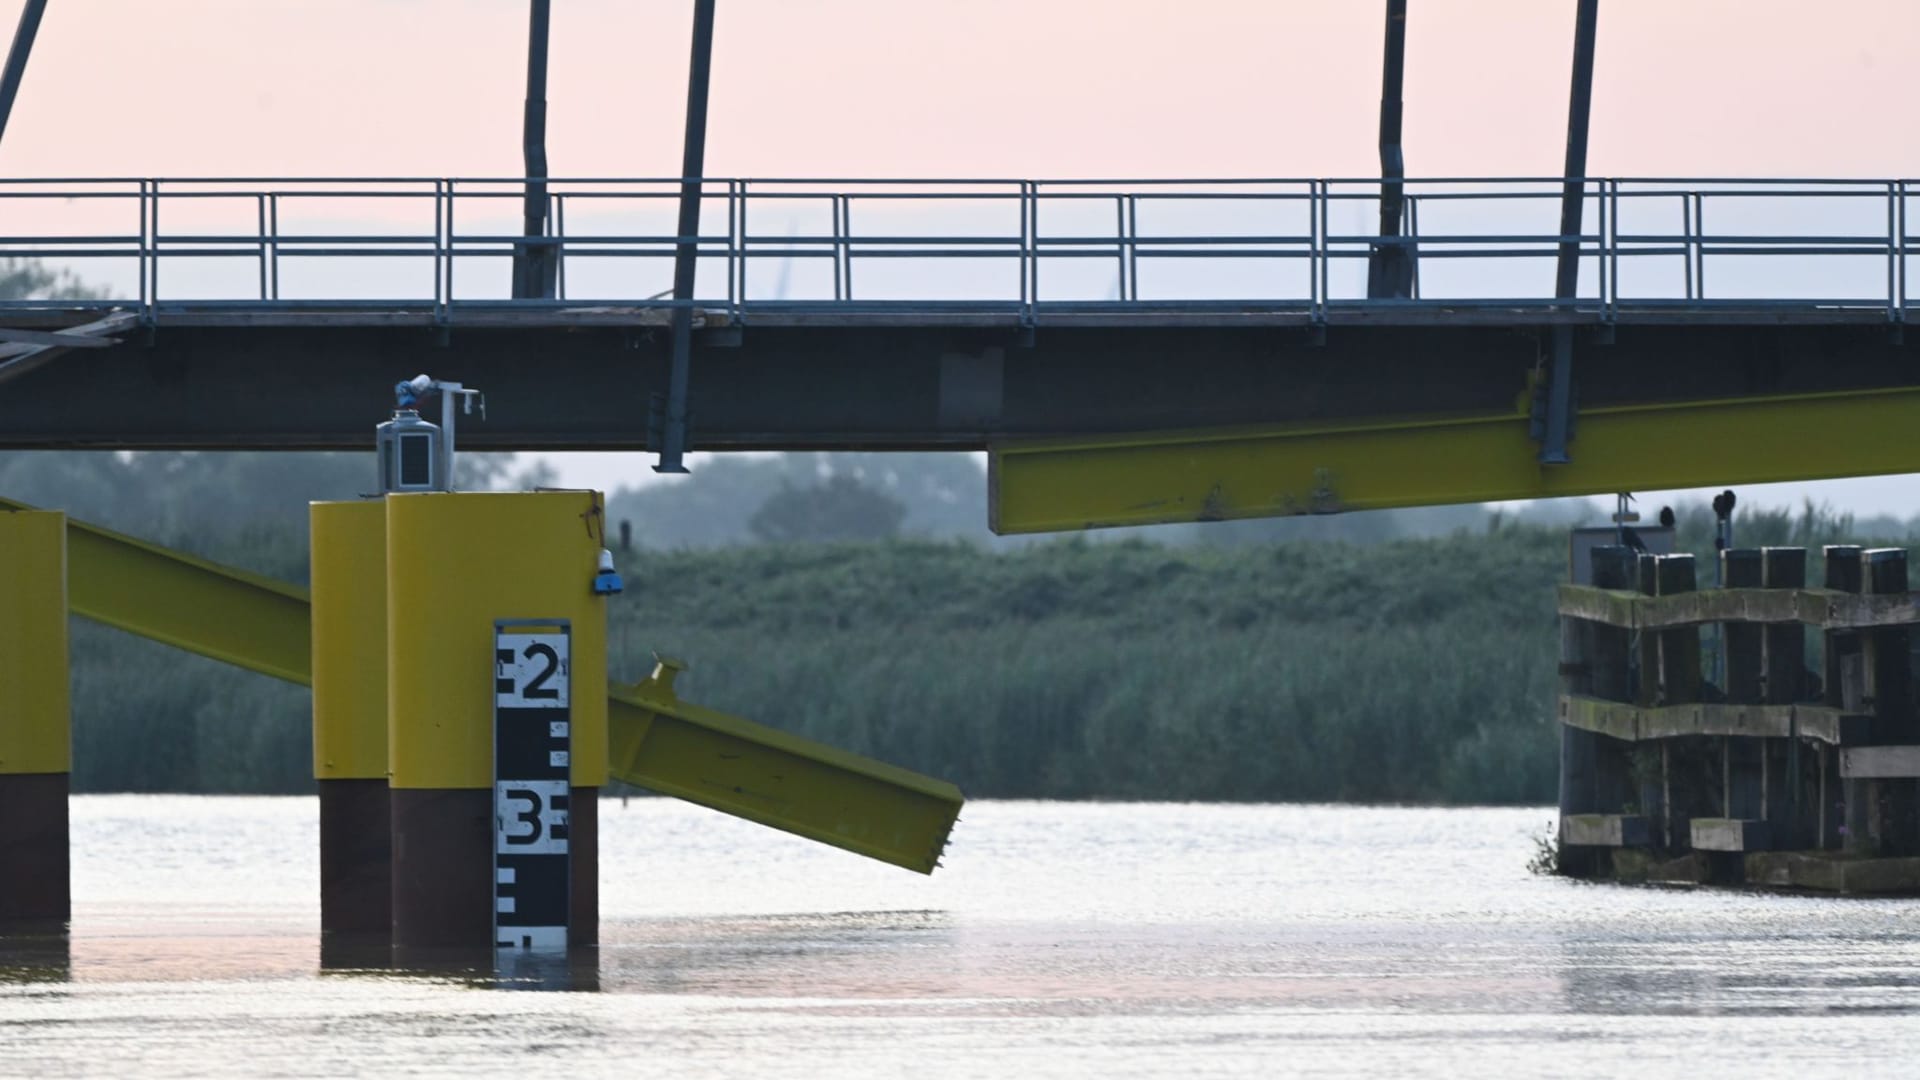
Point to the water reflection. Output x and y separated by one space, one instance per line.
850 953
574 970
1064 941
45 956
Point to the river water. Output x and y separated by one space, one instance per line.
1061 940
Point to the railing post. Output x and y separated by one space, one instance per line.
153 260
1893 253
737 246
1900 238
1317 259
1030 242
559 203
260 213
446 308
273 243
839 285
1699 246
144 255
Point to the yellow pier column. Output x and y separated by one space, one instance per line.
456 563
35 742
349 626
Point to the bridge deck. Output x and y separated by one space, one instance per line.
959 315
945 314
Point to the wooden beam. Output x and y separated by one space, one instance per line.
1604 830
1825 608
1635 723
1880 762
1731 834
1832 873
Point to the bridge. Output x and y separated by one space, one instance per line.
981 314
1128 350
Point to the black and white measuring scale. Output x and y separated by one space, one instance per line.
532 760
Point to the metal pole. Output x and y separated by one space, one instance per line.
17 58
1390 268
1579 109
692 165
1559 418
533 264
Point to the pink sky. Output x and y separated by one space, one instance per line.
1008 88
961 87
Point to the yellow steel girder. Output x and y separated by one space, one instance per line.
34 729
776 778
1215 475
657 741
245 619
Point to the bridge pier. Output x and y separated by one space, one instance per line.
35 741
349 625
455 564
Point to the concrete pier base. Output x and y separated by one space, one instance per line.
356 868
35 894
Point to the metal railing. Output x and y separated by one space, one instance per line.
1012 246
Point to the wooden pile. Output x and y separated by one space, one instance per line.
1793 761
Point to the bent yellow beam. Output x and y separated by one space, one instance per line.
657 741
1215 475
776 778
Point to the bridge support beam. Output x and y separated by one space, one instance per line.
535 266
1557 424
1145 479
16 69
349 576
673 439
35 745
1390 267
455 564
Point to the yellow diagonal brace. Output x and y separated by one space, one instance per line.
657 741
1213 475
775 778
245 619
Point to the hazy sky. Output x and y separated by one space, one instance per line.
1027 88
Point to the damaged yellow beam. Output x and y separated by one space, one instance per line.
775 778
1215 475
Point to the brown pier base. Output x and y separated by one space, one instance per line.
356 858
443 868
34 884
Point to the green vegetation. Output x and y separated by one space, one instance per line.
1410 671
32 279
1407 670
